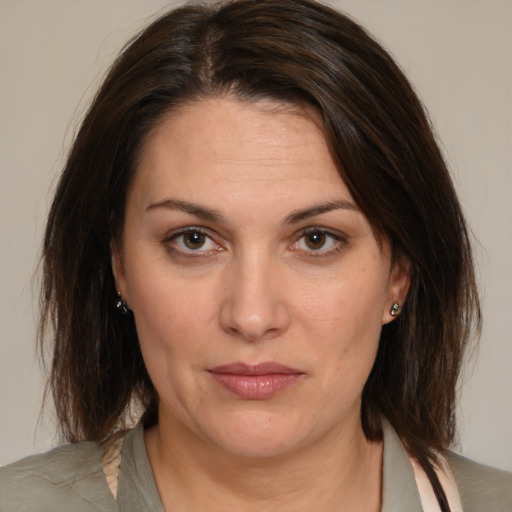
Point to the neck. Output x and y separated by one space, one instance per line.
341 471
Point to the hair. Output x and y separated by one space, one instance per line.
296 52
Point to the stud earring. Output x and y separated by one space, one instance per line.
121 306
395 309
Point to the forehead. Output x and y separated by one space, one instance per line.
222 130
221 149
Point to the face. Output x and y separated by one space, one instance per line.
257 285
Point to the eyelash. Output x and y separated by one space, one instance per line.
170 242
339 240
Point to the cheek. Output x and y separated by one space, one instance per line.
172 327
171 315
345 321
350 305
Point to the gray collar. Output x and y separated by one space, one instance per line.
137 487
399 489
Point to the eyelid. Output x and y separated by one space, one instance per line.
173 235
336 235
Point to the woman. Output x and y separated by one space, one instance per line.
256 246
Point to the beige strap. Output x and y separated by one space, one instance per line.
447 481
112 462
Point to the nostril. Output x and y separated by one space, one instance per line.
253 324
254 306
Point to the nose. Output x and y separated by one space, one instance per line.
254 306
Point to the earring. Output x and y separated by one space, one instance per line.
121 306
395 309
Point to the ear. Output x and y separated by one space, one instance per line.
398 286
118 269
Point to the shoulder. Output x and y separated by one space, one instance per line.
481 487
67 478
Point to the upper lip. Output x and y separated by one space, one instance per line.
265 368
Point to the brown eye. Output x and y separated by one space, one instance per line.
315 240
319 242
194 240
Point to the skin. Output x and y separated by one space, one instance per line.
257 290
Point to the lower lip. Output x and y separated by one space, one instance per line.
256 387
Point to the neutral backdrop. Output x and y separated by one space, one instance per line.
53 54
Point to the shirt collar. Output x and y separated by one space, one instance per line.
399 489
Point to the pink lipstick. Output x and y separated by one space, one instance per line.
255 382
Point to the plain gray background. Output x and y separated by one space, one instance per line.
456 52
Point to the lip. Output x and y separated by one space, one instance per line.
255 382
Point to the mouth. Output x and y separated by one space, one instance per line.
255 382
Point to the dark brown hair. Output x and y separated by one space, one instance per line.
293 51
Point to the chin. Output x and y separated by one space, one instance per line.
259 436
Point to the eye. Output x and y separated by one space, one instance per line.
192 240
318 240
315 241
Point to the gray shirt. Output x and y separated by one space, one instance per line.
70 478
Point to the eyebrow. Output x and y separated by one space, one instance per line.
191 208
300 215
215 216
